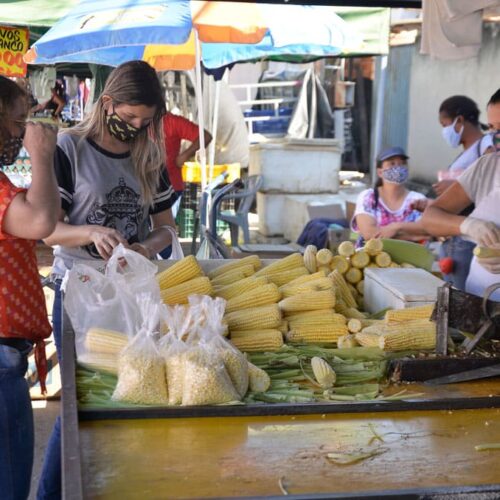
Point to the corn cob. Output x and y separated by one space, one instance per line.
183 270
407 265
179 294
374 246
270 340
367 339
252 260
105 341
393 264
413 335
360 259
284 277
267 294
354 275
349 312
254 318
347 341
310 258
353 291
346 249
283 327
408 314
355 325
237 288
318 317
308 301
316 334
237 274
383 259
324 257
486 252
325 269
305 278
258 379
342 289
290 262
103 362
323 372
316 285
341 264
360 287
235 334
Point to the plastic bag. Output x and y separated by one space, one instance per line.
177 252
141 368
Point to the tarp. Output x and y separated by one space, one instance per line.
34 12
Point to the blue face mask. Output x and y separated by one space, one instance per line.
451 136
396 175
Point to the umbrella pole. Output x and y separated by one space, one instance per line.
201 118
211 147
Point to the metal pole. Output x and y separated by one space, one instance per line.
201 118
379 113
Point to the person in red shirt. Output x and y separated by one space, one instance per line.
176 128
25 217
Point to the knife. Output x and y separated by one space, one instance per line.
477 373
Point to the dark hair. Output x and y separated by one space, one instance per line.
378 184
10 91
495 98
461 105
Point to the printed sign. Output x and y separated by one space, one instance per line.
14 43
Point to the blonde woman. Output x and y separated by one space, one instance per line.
114 189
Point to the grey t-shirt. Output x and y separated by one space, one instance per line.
100 187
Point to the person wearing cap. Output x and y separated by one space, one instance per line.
389 209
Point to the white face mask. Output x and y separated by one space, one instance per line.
451 136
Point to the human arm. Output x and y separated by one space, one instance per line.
32 214
59 101
189 152
159 237
441 186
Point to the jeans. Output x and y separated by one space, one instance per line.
16 424
49 486
460 251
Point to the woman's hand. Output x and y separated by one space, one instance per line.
420 205
105 239
389 231
142 249
441 186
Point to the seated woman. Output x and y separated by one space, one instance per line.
55 104
389 210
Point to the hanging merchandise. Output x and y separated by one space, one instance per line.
41 82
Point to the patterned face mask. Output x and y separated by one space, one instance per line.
120 129
396 175
496 140
10 150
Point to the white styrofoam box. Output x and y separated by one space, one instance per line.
297 166
398 288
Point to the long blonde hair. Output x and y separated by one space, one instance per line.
133 83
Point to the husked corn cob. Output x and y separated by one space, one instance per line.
360 287
285 264
347 341
354 275
367 339
179 294
308 301
284 277
253 333
234 275
325 268
486 252
99 361
413 335
258 379
252 260
355 325
105 341
315 333
360 259
349 312
237 288
305 278
266 294
342 289
354 292
310 258
323 372
183 270
270 340
283 327
393 264
407 265
310 286
374 246
383 259
318 317
346 249
254 318
340 263
408 314
324 257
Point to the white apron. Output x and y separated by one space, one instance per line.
479 279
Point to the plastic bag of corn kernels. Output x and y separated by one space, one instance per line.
141 368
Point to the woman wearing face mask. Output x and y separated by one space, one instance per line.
459 117
479 184
114 189
389 210
25 217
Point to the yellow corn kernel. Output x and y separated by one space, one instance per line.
252 260
289 262
284 277
408 314
367 339
183 270
283 327
324 257
486 252
310 258
346 249
383 259
347 341
179 294
105 341
360 287
270 340
413 335
310 286
316 334
354 275
258 379
355 325
238 287
305 278
341 289
317 317
254 318
340 263
360 259
374 246
234 275
308 301
349 312
266 294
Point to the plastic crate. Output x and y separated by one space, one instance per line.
185 221
191 171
